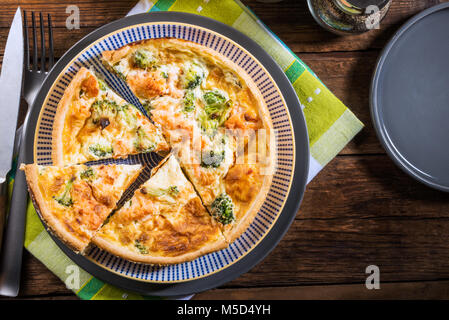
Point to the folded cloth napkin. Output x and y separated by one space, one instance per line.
330 125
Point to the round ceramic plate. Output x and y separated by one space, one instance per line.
285 195
410 97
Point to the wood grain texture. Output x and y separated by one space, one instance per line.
437 290
397 291
290 20
360 210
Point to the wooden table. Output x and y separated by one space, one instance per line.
360 210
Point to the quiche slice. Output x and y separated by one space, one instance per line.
75 200
92 123
163 223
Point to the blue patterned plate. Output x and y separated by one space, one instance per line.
282 202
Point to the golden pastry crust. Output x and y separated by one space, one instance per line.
59 121
74 201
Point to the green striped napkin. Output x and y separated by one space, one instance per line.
331 125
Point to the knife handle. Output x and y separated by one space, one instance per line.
3 197
12 247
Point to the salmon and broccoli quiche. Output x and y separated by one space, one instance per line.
92 122
203 103
75 200
203 109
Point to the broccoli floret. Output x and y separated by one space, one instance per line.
143 59
100 151
141 247
142 142
193 76
216 110
87 174
164 74
193 82
216 106
103 109
212 158
65 199
189 101
215 101
222 209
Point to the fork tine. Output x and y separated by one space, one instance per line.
33 21
27 43
50 44
41 25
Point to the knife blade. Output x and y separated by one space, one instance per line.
10 91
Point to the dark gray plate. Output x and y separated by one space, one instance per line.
301 165
410 97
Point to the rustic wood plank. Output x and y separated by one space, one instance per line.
438 290
63 38
290 20
397 291
92 13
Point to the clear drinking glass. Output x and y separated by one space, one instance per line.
349 16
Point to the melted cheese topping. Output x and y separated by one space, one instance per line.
99 124
164 218
81 197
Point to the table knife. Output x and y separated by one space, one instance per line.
10 92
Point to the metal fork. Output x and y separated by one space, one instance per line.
34 76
